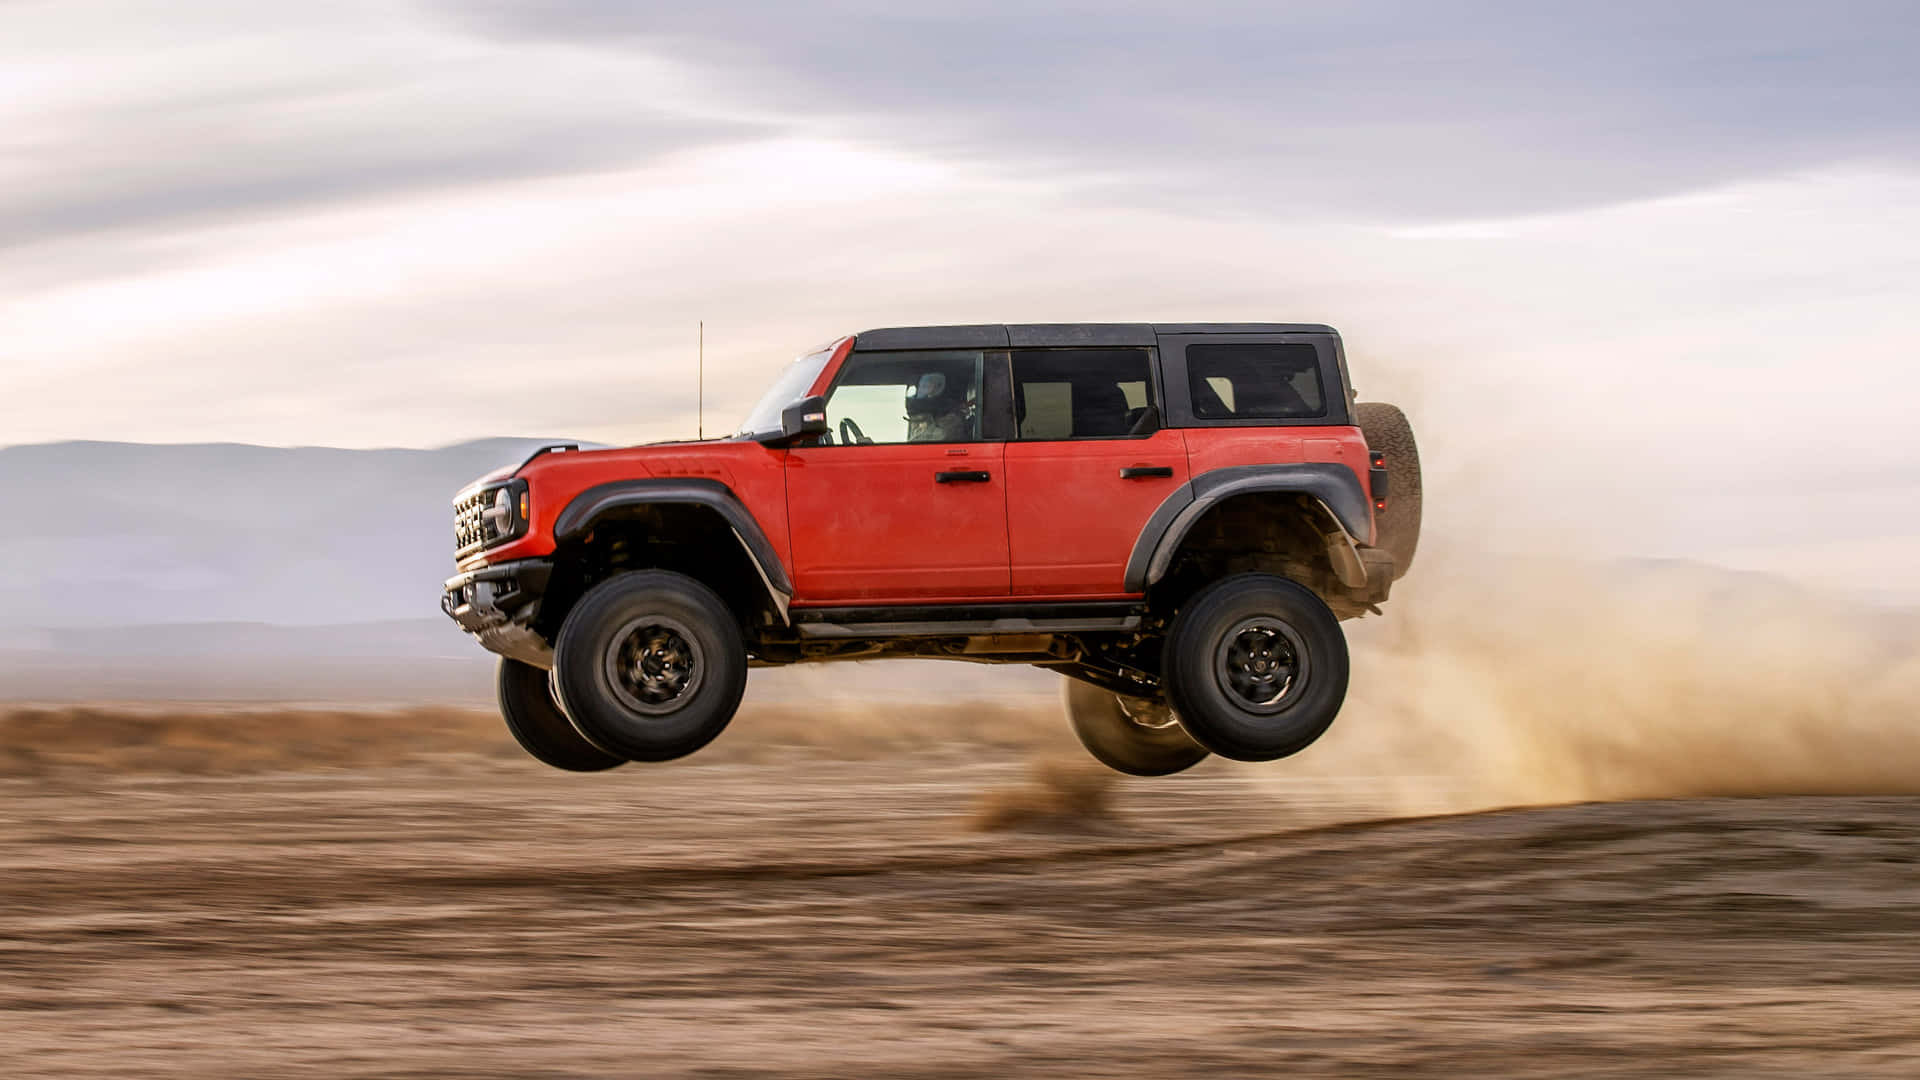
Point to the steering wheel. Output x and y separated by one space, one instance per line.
851 435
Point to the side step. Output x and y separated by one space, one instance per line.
966 619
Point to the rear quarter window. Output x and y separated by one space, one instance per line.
1274 380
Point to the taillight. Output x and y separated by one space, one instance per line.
1377 475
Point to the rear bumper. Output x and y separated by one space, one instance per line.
498 604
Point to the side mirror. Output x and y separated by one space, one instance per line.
805 417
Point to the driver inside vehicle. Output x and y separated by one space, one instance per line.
938 411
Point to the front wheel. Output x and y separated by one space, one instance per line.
538 725
1132 736
650 665
1255 667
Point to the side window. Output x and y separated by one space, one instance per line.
927 396
1270 381
1080 393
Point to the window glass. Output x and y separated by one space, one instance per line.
925 396
786 389
1270 381
1080 393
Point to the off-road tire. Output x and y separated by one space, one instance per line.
633 712
537 724
1220 692
1122 743
1387 431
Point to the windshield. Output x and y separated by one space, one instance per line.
786 389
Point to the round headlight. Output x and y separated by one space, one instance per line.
501 512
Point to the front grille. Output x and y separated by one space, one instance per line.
471 530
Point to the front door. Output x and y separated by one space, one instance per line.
906 501
1088 467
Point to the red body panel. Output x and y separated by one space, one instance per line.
869 523
1072 520
753 472
1222 447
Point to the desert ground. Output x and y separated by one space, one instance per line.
935 891
1658 824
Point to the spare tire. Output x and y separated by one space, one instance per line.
1398 526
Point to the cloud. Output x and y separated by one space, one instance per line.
124 121
1405 111
166 123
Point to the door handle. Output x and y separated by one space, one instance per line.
1146 472
963 476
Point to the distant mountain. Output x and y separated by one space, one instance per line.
118 534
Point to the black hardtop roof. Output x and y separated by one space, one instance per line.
1000 336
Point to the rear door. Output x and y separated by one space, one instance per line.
1088 465
907 500
1247 399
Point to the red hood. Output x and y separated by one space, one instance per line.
636 452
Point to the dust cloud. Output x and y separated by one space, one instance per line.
1062 793
1517 683
1502 682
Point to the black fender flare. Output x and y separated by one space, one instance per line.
593 504
1335 486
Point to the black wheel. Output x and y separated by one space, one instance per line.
1256 667
650 665
539 726
1135 736
1387 431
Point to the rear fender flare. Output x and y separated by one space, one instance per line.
594 504
1335 487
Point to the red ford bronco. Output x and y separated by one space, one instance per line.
1172 516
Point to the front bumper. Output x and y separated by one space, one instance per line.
498 605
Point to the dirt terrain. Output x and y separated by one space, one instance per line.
1727 886
918 911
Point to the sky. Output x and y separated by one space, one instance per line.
1643 273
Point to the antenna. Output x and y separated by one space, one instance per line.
700 384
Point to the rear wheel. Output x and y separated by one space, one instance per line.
1388 432
538 725
1256 667
650 665
1131 735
